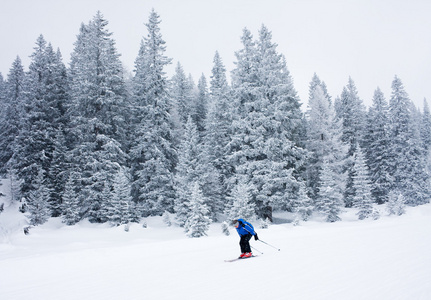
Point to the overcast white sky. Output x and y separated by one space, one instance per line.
369 40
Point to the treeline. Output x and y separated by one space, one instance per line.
87 141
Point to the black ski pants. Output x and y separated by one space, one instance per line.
244 243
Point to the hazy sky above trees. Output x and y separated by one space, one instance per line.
371 41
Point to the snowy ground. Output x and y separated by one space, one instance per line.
384 259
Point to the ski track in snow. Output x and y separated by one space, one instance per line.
384 259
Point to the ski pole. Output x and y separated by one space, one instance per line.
256 250
269 244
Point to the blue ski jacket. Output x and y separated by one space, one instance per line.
245 228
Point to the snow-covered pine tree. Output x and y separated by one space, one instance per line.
426 135
329 200
58 172
225 228
316 82
323 139
182 94
2 92
377 149
45 94
302 205
218 125
37 201
407 155
396 203
97 114
153 157
71 201
265 146
188 171
167 219
362 186
2 114
197 223
425 129
200 107
11 114
241 204
351 111
119 207
210 181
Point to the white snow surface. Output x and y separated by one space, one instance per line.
384 259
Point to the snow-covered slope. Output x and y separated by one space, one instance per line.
384 259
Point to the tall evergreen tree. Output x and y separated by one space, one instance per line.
200 107
352 113
189 170
218 124
378 146
71 201
45 94
329 200
97 112
362 185
120 205
11 114
302 205
265 147
153 157
37 201
323 139
425 129
407 155
182 94
197 223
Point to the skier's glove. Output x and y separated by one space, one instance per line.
255 237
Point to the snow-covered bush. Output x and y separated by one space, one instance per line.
396 204
225 228
167 219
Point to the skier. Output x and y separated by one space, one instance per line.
245 231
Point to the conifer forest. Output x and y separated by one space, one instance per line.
89 141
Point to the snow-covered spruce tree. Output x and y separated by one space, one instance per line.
329 200
11 113
425 131
153 157
197 223
182 94
37 201
377 149
200 105
120 205
363 199
425 128
323 139
218 125
97 112
351 111
407 162
2 92
210 181
59 170
167 219
302 205
45 94
241 205
316 82
71 202
396 203
188 171
265 147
